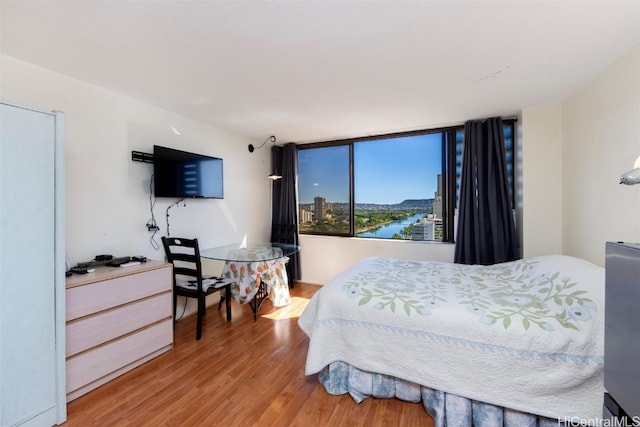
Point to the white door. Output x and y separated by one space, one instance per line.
29 269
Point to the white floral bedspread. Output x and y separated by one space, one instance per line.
526 335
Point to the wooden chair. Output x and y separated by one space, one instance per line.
188 280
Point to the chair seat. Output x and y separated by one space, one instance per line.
209 282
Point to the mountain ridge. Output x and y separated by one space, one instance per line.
405 204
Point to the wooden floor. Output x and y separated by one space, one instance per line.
242 373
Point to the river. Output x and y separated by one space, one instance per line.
388 230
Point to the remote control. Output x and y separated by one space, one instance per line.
130 264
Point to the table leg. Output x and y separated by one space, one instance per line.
227 297
258 299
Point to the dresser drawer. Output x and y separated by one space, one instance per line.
105 326
95 297
101 361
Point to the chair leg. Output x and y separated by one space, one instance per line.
289 269
227 301
175 303
201 305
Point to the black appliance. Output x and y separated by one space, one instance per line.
622 333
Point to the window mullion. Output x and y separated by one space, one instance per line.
352 204
449 179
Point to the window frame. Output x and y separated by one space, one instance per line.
449 192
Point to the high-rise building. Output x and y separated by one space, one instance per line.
319 208
437 200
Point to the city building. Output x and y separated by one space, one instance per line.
437 199
319 208
429 228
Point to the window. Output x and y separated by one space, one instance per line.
393 187
324 182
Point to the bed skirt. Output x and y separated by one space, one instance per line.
445 408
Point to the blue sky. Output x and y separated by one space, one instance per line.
386 171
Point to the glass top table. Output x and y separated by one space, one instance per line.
257 270
252 252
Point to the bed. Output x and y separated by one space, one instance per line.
519 343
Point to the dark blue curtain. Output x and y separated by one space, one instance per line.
284 205
486 229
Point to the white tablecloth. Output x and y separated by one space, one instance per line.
248 276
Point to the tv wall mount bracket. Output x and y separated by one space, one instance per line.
138 156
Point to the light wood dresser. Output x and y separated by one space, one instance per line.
117 318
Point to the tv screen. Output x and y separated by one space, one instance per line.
182 174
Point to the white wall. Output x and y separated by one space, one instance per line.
601 140
107 194
541 157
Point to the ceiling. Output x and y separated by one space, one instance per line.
320 70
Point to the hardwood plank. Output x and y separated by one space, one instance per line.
241 373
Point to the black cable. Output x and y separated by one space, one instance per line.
151 224
153 242
152 200
167 213
184 309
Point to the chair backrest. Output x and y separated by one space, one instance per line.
184 254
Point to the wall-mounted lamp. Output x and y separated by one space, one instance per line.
271 138
633 176
274 175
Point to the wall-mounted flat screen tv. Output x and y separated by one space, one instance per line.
182 174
